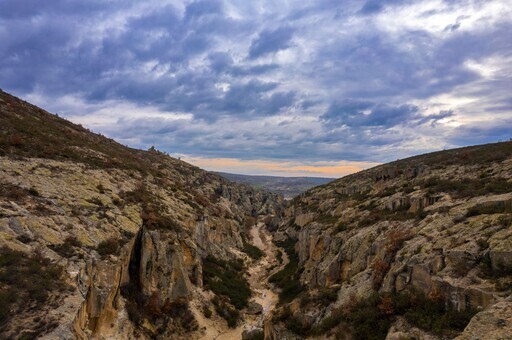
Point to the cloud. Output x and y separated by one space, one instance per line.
357 113
284 82
270 41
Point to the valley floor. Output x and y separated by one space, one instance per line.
264 294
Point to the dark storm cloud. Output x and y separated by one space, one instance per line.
358 80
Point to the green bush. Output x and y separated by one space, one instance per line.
254 252
288 278
226 279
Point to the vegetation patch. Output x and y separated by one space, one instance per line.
253 252
287 279
401 213
26 282
371 318
68 247
227 311
323 297
489 208
226 279
13 192
467 187
171 317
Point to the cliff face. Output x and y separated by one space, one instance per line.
435 228
126 230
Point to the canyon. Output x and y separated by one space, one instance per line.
101 241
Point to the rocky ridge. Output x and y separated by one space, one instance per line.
420 247
126 230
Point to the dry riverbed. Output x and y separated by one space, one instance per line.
259 272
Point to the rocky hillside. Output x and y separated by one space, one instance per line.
419 248
98 240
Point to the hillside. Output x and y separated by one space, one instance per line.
98 240
289 187
417 248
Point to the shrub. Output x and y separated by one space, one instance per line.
67 248
180 314
340 227
117 202
153 219
324 297
249 221
33 191
108 246
505 220
325 218
256 334
298 325
12 192
380 269
24 238
169 317
328 322
207 312
202 200
279 256
254 252
101 188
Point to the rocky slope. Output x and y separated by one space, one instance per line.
98 240
417 248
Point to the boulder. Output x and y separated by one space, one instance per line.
254 308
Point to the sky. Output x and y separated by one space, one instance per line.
288 88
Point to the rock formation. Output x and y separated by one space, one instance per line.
130 228
434 228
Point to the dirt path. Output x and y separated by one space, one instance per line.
259 273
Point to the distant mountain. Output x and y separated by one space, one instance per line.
287 186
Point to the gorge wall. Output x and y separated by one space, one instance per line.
436 227
125 231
